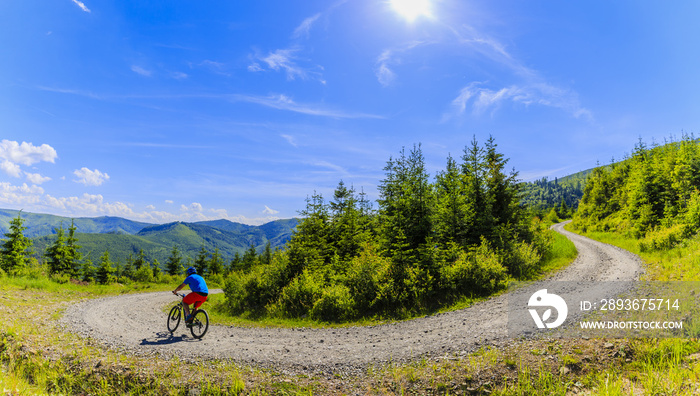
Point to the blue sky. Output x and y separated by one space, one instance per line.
190 110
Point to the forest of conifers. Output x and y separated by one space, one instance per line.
428 243
652 195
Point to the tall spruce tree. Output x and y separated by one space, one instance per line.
173 266
105 269
16 248
216 263
201 262
57 256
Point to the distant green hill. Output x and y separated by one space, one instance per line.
43 224
122 237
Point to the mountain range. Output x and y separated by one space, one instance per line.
123 237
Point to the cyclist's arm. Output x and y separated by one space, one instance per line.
179 288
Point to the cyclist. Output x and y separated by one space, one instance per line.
199 294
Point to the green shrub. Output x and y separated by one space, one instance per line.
335 304
663 238
144 274
523 259
363 276
299 296
479 272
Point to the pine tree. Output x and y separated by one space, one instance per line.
474 171
216 263
88 270
57 254
454 213
236 263
140 260
16 248
266 256
72 249
173 266
201 262
105 269
249 257
157 272
128 271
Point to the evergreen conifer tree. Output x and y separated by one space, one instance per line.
16 248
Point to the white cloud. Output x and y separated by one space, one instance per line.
23 195
285 60
169 201
302 31
141 71
36 178
81 5
26 153
194 207
269 211
89 177
14 154
33 199
11 168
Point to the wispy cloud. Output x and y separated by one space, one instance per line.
484 99
141 71
288 60
81 5
390 57
283 102
530 89
303 30
290 139
90 177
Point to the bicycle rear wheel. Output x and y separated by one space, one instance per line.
174 318
200 324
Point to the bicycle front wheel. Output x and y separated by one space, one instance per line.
174 318
200 324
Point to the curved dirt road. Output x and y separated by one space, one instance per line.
137 324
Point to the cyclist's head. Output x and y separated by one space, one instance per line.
191 271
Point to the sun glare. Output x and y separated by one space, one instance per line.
411 9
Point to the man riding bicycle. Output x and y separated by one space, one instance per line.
199 294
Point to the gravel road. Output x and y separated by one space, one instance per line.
136 324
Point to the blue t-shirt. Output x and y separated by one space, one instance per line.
196 284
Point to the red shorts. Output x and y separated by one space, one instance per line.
194 298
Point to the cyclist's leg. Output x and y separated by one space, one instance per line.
189 299
199 302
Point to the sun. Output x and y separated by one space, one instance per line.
411 9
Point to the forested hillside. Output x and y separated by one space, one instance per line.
157 241
653 195
429 242
561 194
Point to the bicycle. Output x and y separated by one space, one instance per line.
200 320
